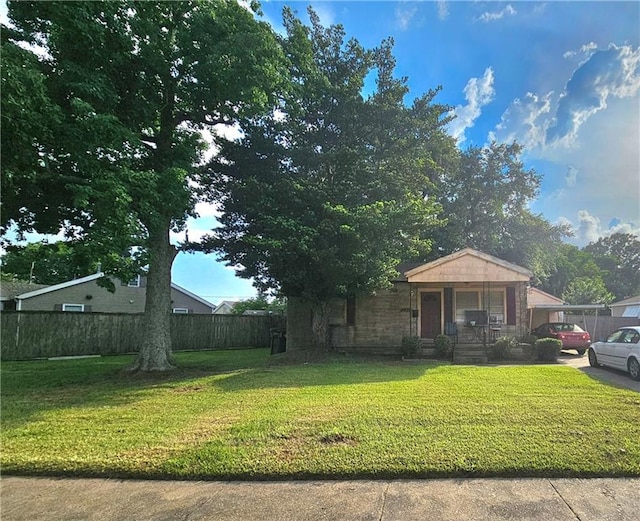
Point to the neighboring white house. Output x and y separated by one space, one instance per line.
225 307
86 295
629 307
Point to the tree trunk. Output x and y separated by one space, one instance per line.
155 350
320 324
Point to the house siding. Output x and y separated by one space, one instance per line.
126 299
180 300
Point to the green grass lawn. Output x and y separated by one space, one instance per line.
238 414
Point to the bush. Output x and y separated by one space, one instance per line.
503 346
410 346
444 348
548 349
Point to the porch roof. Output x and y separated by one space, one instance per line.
468 265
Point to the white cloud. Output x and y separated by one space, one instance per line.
525 121
443 9
614 72
571 176
588 228
478 92
587 139
585 49
492 17
405 11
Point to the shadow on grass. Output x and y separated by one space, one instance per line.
32 388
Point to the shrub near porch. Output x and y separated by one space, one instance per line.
239 415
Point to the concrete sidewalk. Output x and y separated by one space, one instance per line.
601 499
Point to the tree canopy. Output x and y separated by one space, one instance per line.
618 256
49 263
122 91
324 196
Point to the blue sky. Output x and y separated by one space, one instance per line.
561 78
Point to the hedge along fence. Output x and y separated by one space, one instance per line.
44 334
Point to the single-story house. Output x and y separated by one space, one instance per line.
85 295
468 293
629 307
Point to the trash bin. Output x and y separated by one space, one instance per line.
278 342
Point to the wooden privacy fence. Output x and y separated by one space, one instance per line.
44 334
601 327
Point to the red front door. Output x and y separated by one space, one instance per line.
430 315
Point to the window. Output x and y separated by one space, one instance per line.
351 311
466 301
134 283
77 308
180 310
492 302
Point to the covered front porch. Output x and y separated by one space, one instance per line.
469 296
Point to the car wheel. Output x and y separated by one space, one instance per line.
581 351
593 359
634 368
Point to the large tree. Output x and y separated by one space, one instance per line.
131 85
324 197
618 256
485 195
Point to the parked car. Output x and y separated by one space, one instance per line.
621 351
572 336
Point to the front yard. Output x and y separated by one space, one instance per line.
237 414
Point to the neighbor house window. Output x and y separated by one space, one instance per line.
134 283
180 310
77 308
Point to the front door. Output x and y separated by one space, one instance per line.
430 315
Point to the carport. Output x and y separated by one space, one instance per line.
569 307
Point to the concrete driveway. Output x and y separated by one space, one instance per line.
604 374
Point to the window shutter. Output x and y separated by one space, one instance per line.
87 309
57 307
448 305
143 281
190 311
511 306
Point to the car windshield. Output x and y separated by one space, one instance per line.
567 327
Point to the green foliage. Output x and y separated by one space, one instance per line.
276 306
618 256
485 195
586 290
44 263
444 347
411 345
548 349
323 197
503 347
568 263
